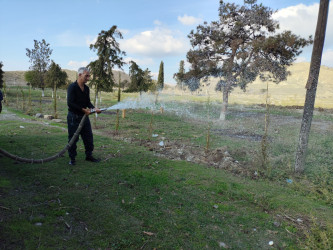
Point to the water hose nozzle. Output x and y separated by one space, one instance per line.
94 111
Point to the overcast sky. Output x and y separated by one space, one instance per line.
153 30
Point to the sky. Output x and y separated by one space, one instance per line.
153 30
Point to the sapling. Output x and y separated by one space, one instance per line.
117 121
264 142
23 99
29 100
151 123
209 124
55 101
5 93
40 104
17 97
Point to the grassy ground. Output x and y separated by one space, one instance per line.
134 199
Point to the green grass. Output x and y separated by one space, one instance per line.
134 199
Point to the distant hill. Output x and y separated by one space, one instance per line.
16 78
287 93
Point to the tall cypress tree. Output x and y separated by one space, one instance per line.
160 79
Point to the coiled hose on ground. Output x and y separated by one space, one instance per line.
51 158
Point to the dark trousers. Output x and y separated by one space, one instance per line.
73 121
0 106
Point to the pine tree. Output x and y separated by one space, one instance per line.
179 77
109 56
160 79
136 77
241 45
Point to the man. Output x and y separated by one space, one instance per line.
78 101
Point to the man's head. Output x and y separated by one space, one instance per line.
83 75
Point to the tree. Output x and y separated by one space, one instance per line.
1 75
109 56
31 77
160 78
141 81
55 78
39 57
148 81
240 46
179 77
311 86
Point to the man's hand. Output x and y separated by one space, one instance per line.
98 111
86 111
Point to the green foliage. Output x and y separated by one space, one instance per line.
160 78
141 81
240 46
1 75
319 236
31 77
39 57
149 84
109 56
180 76
55 77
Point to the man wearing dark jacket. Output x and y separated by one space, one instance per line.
78 101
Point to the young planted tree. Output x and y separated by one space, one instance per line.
311 86
238 47
39 57
109 56
136 77
160 78
179 77
55 78
148 81
141 81
31 77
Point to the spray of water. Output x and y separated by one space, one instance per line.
144 101
148 101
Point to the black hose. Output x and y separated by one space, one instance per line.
51 158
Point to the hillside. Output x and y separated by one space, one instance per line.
16 78
287 93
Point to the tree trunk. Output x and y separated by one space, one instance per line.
224 103
96 99
311 86
95 104
55 101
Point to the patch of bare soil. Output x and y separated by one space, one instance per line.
219 158
238 134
